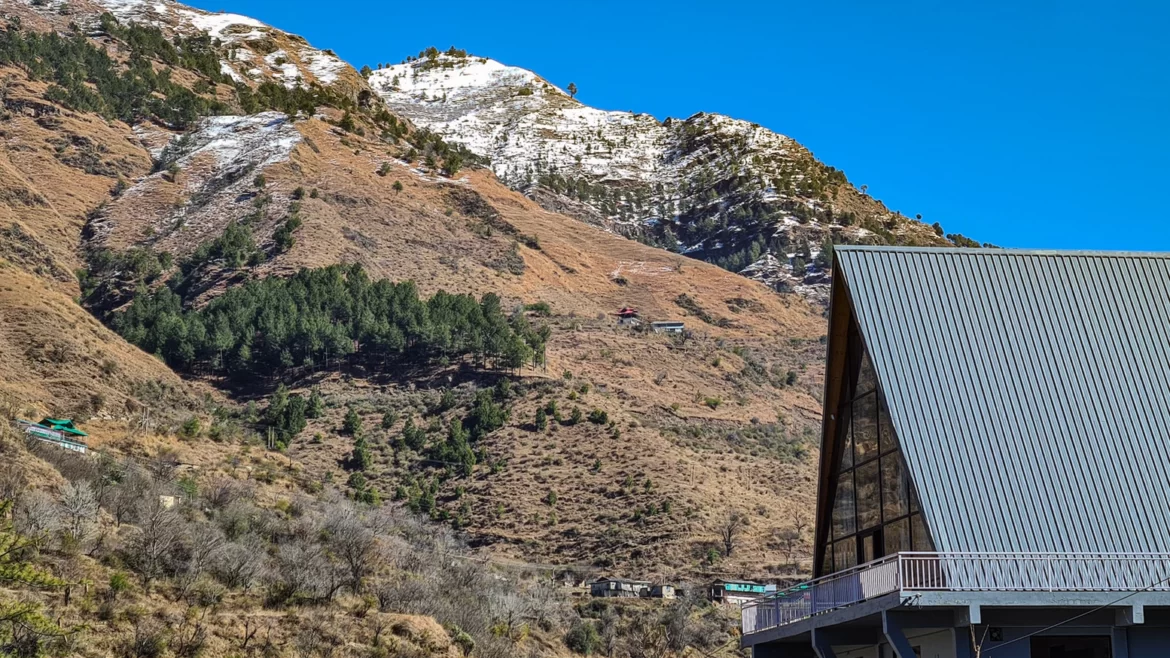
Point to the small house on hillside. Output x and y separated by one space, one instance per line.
61 432
737 592
628 316
63 425
619 588
667 327
662 592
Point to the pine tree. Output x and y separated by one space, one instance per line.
541 419
316 407
352 424
572 90
360 459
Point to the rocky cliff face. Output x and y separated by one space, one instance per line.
709 186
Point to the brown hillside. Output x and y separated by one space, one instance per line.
458 236
720 421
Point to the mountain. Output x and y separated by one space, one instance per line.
712 187
177 169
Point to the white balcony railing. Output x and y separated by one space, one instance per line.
961 572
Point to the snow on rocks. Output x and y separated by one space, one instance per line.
253 141
216 164
303 64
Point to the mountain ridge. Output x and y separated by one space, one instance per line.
709 186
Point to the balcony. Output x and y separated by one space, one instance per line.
913 574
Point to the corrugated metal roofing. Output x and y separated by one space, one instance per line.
1030 391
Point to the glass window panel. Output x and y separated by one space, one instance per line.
847 454
910 493
918 533
867 553
845 554
889 438
827 562
869 511
866 380
865 427
897 536
894 500
844 521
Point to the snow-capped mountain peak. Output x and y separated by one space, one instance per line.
710 186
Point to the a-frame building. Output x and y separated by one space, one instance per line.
995 463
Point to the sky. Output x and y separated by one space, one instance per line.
1026 124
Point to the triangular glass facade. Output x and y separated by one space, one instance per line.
874 512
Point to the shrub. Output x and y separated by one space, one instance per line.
598 417
191 428
539 308
389 417
583 638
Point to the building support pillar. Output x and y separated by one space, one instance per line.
963 641
1120 643
820 644
895 634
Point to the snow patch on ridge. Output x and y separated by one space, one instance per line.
231 29
254 141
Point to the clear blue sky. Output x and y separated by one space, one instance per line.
1042 126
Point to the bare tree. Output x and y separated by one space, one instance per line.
352 542
302 568
222 492
239 563
789 540
130 495
79 511
730 530
37 517
644 638
200 544
155 540
12 483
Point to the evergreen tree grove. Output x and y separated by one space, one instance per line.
317 317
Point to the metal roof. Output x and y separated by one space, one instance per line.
1030 391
